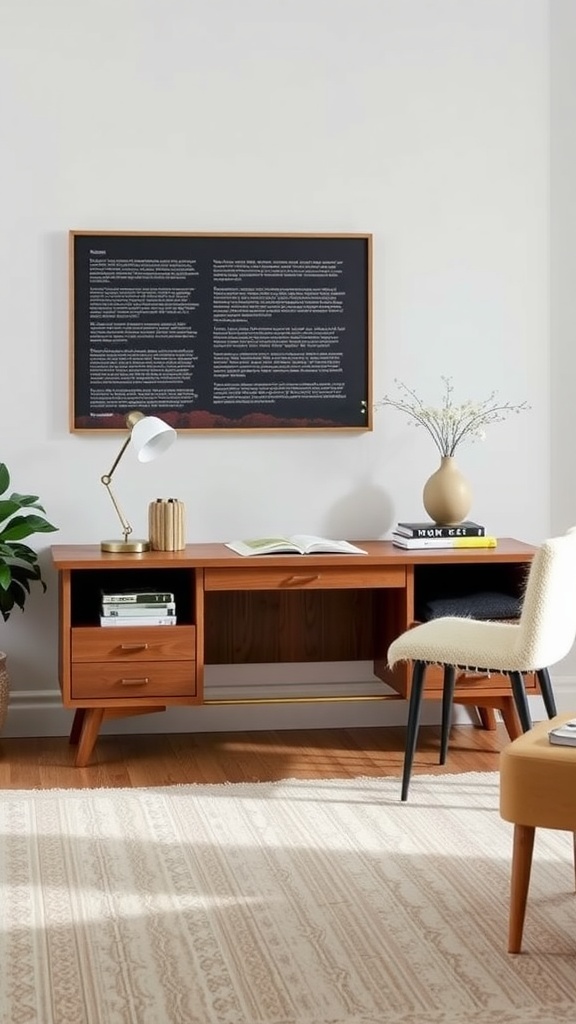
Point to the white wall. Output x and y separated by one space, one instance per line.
425 122
563 274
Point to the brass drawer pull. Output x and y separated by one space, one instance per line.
133 647
296 581
135 682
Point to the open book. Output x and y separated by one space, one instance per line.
298 544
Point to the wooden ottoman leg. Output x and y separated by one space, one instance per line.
520 880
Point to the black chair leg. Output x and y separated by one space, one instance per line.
543 677
418 675
521 700
447 701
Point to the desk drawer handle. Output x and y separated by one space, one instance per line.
133 647
298 580
135 682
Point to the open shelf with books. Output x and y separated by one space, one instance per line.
87 587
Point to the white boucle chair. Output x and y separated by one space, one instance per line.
543 635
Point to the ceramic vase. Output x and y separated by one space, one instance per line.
3 689
447 497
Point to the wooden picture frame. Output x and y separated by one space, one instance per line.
240 331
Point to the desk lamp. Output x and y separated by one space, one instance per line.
150 436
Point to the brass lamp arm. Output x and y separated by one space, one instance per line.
108 476
106 480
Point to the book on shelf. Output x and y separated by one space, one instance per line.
465 529
416 543
138 620
297 544
564 735
129 611
137 597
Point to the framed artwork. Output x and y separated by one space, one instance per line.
221 331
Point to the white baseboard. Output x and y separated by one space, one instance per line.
40 713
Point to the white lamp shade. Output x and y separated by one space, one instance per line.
151 437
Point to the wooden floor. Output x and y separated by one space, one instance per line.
157 760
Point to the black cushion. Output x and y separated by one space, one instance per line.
485 604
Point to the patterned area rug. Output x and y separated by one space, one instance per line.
282 903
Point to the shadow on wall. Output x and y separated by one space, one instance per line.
367 513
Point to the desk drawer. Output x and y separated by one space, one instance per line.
145 679
313 577
133 643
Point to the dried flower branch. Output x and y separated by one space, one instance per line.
451 425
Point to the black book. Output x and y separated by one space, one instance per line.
465 529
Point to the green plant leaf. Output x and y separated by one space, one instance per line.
19 551
27 500
19 563
19 595
6 603
23 526
8 507
22 576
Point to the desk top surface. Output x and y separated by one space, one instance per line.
379 552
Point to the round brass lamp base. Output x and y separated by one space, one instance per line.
125 547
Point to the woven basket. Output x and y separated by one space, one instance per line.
3 690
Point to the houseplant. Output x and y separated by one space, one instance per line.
21 516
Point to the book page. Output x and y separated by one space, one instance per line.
308 543
262 546
299 544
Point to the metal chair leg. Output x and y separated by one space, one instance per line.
543 677
418 675
447 701
521 700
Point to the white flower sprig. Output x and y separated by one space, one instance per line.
451 424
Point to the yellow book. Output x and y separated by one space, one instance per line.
417 543
475 542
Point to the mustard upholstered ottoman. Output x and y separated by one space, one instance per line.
537 790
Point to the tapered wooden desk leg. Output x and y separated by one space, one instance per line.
92 720
510 718
487 718
76 726
521 866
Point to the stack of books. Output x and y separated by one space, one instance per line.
564 735
429 535
138 608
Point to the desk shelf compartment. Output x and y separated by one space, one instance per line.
86 586
458 583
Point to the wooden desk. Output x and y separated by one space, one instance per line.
272 608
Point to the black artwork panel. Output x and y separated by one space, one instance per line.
221 331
